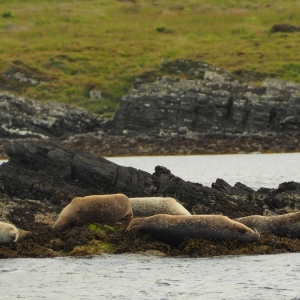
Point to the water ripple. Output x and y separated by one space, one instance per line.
134 276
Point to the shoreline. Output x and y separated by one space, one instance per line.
40 179
104 145
96 239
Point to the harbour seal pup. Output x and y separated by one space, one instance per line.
281 225
149 206
8 233
94 208
174 229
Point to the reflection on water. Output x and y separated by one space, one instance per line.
142 277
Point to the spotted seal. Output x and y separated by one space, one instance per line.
281 225
174 229
8 233
93 208
149 206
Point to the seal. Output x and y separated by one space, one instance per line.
174 229
286 225
8 233
93 208
149 206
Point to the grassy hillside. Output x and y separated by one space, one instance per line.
60 50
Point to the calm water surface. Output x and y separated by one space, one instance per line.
130 276
141 277
254 170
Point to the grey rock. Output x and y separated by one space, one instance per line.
20 117
214 103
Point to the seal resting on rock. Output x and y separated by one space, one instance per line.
282 225
174 229
94 208
8 233
149 206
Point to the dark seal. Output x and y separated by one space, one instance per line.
174 229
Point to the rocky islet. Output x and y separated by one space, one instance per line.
41 178
56 153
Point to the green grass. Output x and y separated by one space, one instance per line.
73 45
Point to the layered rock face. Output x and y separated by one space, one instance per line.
20 117
214 103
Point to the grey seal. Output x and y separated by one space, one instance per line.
8 233
174 229
94 208
149 206
282 225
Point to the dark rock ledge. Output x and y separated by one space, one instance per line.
41 178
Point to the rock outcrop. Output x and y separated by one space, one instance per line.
214 102
25 118
41 178
53 175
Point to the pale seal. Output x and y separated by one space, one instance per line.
149 206
282 225
8 233
93 209
174 229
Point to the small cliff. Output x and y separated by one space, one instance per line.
214 101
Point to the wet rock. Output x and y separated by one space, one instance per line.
41 178
54 175
23 118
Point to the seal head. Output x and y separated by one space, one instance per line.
8 233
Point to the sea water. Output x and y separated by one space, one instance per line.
131 277
254 170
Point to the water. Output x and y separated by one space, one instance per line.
129 276
254 170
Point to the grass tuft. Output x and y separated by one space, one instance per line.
7 15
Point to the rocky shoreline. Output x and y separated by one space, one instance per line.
41 178
104 145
